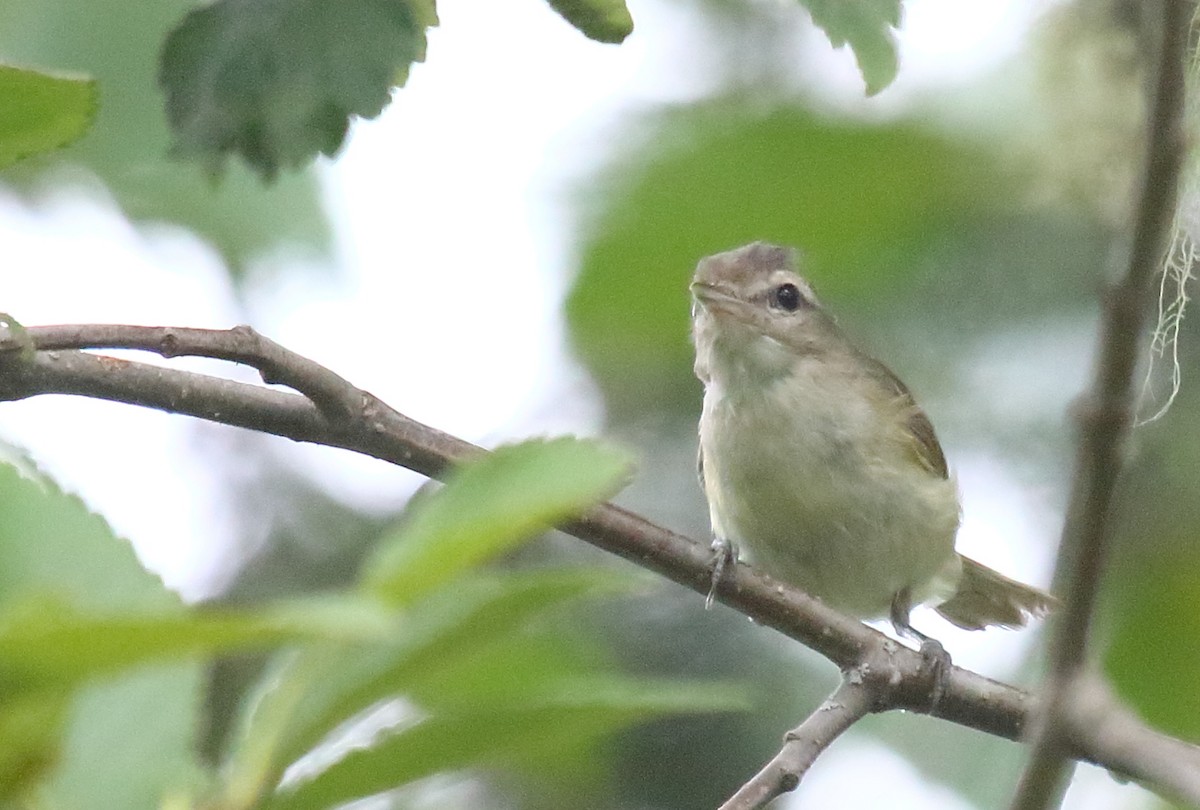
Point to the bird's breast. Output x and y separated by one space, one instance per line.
810 475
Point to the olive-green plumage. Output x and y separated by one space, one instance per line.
816 460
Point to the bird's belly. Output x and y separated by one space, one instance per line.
841 519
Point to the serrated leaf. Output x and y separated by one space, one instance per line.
488 507
51 542
40 112
601 20
277 81
502 732
127 148
867 26
75 603
52 546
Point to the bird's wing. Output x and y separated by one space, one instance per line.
926 448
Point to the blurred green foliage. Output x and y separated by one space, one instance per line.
932 245
490 509
40 112
1151 598
277 83
601 20
883 213
1153 654
864 201
967 258
101 681
117 43
867 27
56 737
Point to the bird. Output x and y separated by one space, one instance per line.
817 462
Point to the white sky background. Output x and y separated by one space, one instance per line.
451 203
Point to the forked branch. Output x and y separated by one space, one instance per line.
50 360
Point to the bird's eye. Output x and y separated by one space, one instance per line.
787 297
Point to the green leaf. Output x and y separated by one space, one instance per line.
75 605
426 11
315 691
52 654
40 112
601 20
498 732
277 81
52 544
53 548
47 640
867 26
488 507
1155 610
31 727
119 44
129 741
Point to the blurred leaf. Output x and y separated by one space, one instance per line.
277 81
31 727
118 44
315 691
861 200
502 732
601 20
129 741
40 112
488 507
72 741
51 543
1153 657
426 11
75 606
47 640
867 26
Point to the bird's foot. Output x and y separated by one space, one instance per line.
935 666
935 661
724 555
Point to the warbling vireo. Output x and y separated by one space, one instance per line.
816 460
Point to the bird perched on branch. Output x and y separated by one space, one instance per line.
816 460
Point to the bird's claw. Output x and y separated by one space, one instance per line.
935 665
723 556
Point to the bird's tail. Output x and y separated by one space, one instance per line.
985 597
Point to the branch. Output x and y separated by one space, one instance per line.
1095 720
853 700
1105 416
47 360
331 393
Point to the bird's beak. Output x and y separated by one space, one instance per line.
708 293
715 298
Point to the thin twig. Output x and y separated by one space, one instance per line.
852 701
331 393
379 431
1106 415
1097 721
